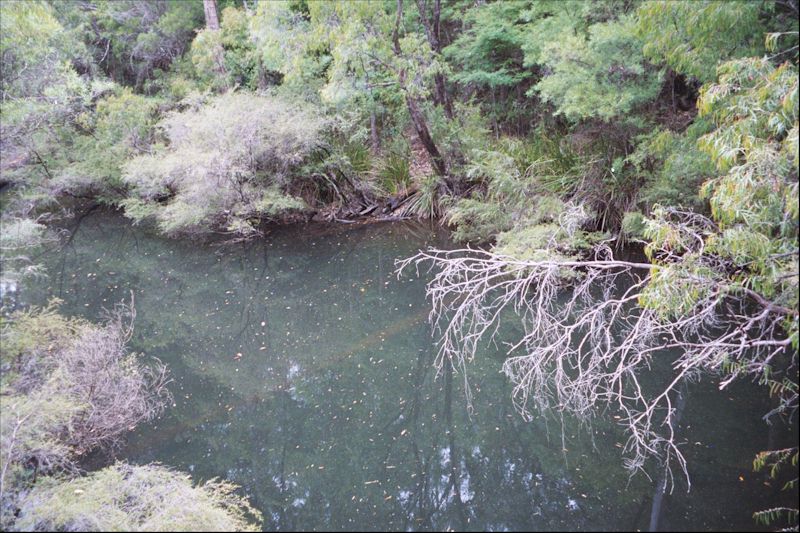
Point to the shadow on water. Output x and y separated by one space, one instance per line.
302 371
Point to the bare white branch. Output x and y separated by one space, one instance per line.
587 344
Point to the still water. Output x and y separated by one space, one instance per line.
302 371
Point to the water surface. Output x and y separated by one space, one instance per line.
302 371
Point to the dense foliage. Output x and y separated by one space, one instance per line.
69 387
547 129
134 498
228 162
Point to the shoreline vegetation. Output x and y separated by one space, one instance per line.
70 387
547 133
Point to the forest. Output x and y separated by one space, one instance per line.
617 180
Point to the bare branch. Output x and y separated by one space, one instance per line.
587 343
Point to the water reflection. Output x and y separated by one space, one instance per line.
303 371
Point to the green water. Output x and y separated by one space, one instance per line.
302 371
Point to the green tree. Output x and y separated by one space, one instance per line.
694 37
719 296
602 75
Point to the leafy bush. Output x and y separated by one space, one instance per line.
672 167
488 55
466 134
229 164
68 387
208 58
518 176
19 237
553 230
120 126
701 33
133 42
478 220
426 202
394 173
43 97
135 498
633 225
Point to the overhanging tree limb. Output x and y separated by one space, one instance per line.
587 341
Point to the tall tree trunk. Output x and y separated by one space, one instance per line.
432 32
263 82
414 109
421 126
441 96
212 21
373 116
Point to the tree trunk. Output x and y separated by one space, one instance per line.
212 21
373 116
440 96
414 110
263 82
421 126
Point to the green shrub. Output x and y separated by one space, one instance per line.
19 236
672 167
514 179
208 58
135 498
121 127
633 225
426 201
478 220
603 75
67 387
223 157
226 57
